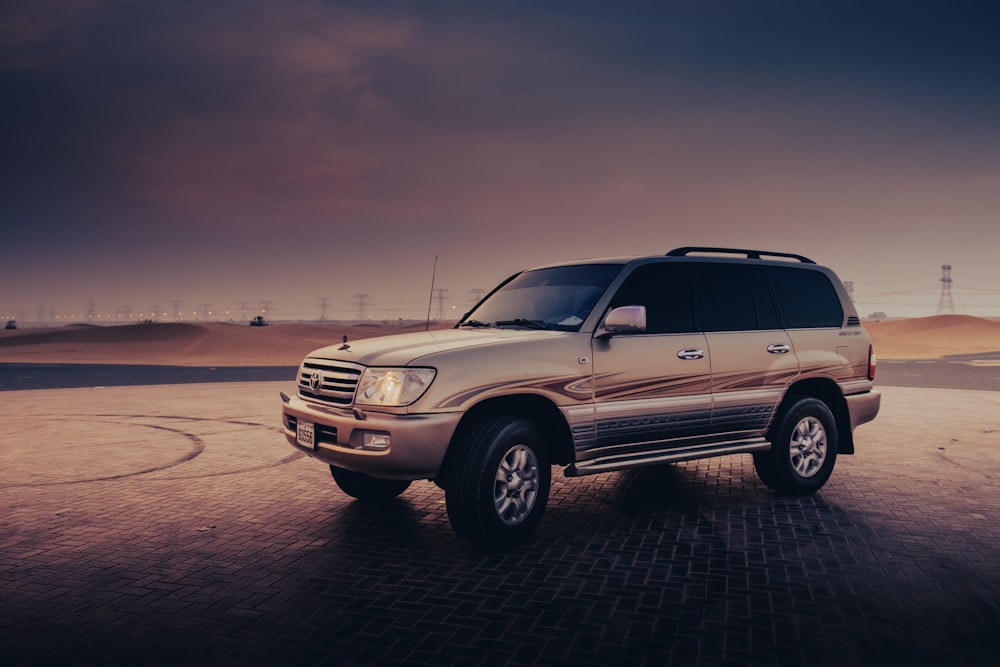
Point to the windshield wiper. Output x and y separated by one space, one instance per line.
473 323
521 322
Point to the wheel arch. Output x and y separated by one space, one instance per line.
827 391
537 409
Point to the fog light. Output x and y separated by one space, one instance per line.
375 441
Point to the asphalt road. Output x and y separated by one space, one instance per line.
67 376
980 372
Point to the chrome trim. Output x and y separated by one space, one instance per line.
329 382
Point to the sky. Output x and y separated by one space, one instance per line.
211 159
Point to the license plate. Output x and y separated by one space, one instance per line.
305 433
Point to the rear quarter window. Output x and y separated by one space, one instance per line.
806 299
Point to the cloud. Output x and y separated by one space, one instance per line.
38 33
213 112
595 126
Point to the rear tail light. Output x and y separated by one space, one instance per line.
871 362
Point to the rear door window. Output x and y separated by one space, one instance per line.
735 298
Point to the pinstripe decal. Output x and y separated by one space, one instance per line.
651 388
575 388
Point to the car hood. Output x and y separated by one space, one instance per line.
406 349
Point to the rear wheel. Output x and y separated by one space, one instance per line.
367 488
803 449
499 484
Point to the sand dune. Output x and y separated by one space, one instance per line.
225 344
934 337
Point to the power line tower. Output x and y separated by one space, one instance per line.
324 301
155 315
90 309
476 293
265 307
946 305
177 308
440 295
361 301
206 310
243 309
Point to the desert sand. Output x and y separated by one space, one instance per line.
185 344
230 344
934 337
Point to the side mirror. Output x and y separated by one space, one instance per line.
624 320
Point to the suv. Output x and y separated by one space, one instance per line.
596 365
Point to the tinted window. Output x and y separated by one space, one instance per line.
727 298
665 290
767 314
806 299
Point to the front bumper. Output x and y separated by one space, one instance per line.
417 442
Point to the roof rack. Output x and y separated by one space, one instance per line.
749 254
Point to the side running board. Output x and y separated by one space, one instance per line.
666 455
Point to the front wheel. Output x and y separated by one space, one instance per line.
367 488
803 449
500 482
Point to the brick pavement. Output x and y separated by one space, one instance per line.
173 525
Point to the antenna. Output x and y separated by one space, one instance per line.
427 326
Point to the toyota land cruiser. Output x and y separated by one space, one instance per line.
596 365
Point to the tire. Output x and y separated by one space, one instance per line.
803 449
367 488
499 484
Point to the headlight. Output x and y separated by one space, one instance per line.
393 386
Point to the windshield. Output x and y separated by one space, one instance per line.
557 298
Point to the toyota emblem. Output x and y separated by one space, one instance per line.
315 380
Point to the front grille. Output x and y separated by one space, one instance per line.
331 382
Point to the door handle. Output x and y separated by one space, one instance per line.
778 349
691 354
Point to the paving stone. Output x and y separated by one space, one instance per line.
173 525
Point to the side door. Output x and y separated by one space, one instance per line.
753 359
654 386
